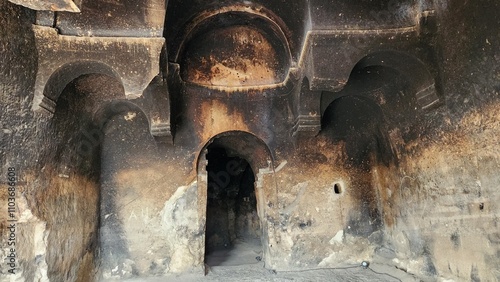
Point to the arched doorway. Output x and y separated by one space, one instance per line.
232 226
375 99
229 169
74 187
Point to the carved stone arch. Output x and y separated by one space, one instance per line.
365 110
48 91
258 155
248 145
114 107
249 45
359 124
211 18
154 104
134 62
414 70
399 83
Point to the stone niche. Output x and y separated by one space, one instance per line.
217 140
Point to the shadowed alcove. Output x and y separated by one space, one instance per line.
233 226
233 234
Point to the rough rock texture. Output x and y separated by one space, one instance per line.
57 216
135 62
55 5
448 195
388 179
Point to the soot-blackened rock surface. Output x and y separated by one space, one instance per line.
368 131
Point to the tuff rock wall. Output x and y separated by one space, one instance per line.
97 197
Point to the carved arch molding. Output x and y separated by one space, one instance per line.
314 53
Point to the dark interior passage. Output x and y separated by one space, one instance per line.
233 226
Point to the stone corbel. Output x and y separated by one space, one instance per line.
308 116
156 106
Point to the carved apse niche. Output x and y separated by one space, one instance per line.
196 134
72 45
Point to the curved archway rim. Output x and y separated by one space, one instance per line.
190 29
235 133
69 72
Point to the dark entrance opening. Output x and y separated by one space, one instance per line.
233 227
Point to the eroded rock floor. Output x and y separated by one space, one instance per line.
257 272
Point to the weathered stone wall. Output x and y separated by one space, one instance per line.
415 190
447 223
148 203
57 209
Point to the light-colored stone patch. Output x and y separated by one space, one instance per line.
31 244
184 233
449 202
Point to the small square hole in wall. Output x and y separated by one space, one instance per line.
337 188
